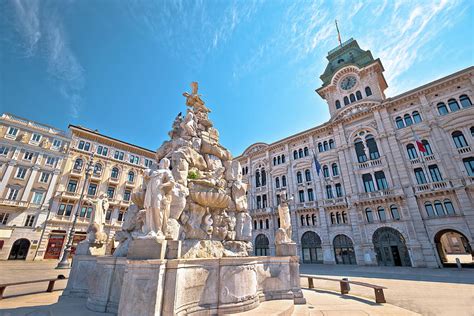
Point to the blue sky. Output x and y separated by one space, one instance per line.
121 66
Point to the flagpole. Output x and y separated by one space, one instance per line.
338 34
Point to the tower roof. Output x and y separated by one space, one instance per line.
348 53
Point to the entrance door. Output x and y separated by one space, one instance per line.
311 248
344 250
19 249
55 245
389 245
396 256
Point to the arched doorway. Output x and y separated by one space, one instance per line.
344 250
262 245
19 249
390 247
452 244
311 248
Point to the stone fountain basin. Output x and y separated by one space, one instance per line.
211 199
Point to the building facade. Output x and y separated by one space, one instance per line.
115 172
387 181
31 160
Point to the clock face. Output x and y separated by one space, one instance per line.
348 82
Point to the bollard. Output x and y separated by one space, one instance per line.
458 263
345 287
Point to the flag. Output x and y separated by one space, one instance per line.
338 34
419 144
316 164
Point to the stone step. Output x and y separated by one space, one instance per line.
273 308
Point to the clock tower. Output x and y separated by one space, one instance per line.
351 77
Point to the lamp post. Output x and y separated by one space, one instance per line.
64 263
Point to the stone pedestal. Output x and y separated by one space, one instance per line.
288 249
150 248
80 276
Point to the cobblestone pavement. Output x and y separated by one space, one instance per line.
447 291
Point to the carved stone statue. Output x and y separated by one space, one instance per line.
189 125
96 238
159 183
285 221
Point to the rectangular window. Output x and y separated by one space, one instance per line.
4 150
56 143
264 200
310 195
36 138
12 194
83 211
30 219
338 190
87 146
37 198
72 186
126 195
99 149
81 144
329 193
108 215
89 212
469 165
110 192
121 216
69 209
148 163
61 209
105 151
420 176
50 161
301 196
21 173
92 189
259 202
381 181
435 173
134 159
28 155
4 218
12 131
278 198
368 182
44 177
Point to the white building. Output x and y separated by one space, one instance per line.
378 199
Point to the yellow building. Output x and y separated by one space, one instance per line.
116 170
31 157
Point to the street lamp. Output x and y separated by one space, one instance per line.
64 263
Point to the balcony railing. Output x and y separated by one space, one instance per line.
376 194
370 163
14 203
309 204
441 185
464 150
334 201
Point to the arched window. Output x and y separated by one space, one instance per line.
369 215
442 109
335 169
325 145
283 181
295 154
255 225
420 176
352 98
313 219
97 169
412 153
346 100
453 105
338 217
459 139
358 95
331 144
320 147
307 175
277 182
302 220
439 208
307 220
381 213
449 207
257 178
115 173
465 101
299 177
300 153
131 176
360 150
394 212
274 161
333 218
306 151
326 171
282 158
368 91
429 209
407 119
264 177
469 165
416 117
78 164
279 160
338 104
372 146
344 217
261 224
399 122
267 224
427 146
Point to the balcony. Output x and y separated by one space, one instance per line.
114 180
378 194
261 210
434 186
305 205
334 201
418 160
70 195
464 150
77 171
370 163
130 183
14 204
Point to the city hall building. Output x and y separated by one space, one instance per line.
386 181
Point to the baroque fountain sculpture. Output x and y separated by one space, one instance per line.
185 243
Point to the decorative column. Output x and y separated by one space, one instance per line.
31 179
6 176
